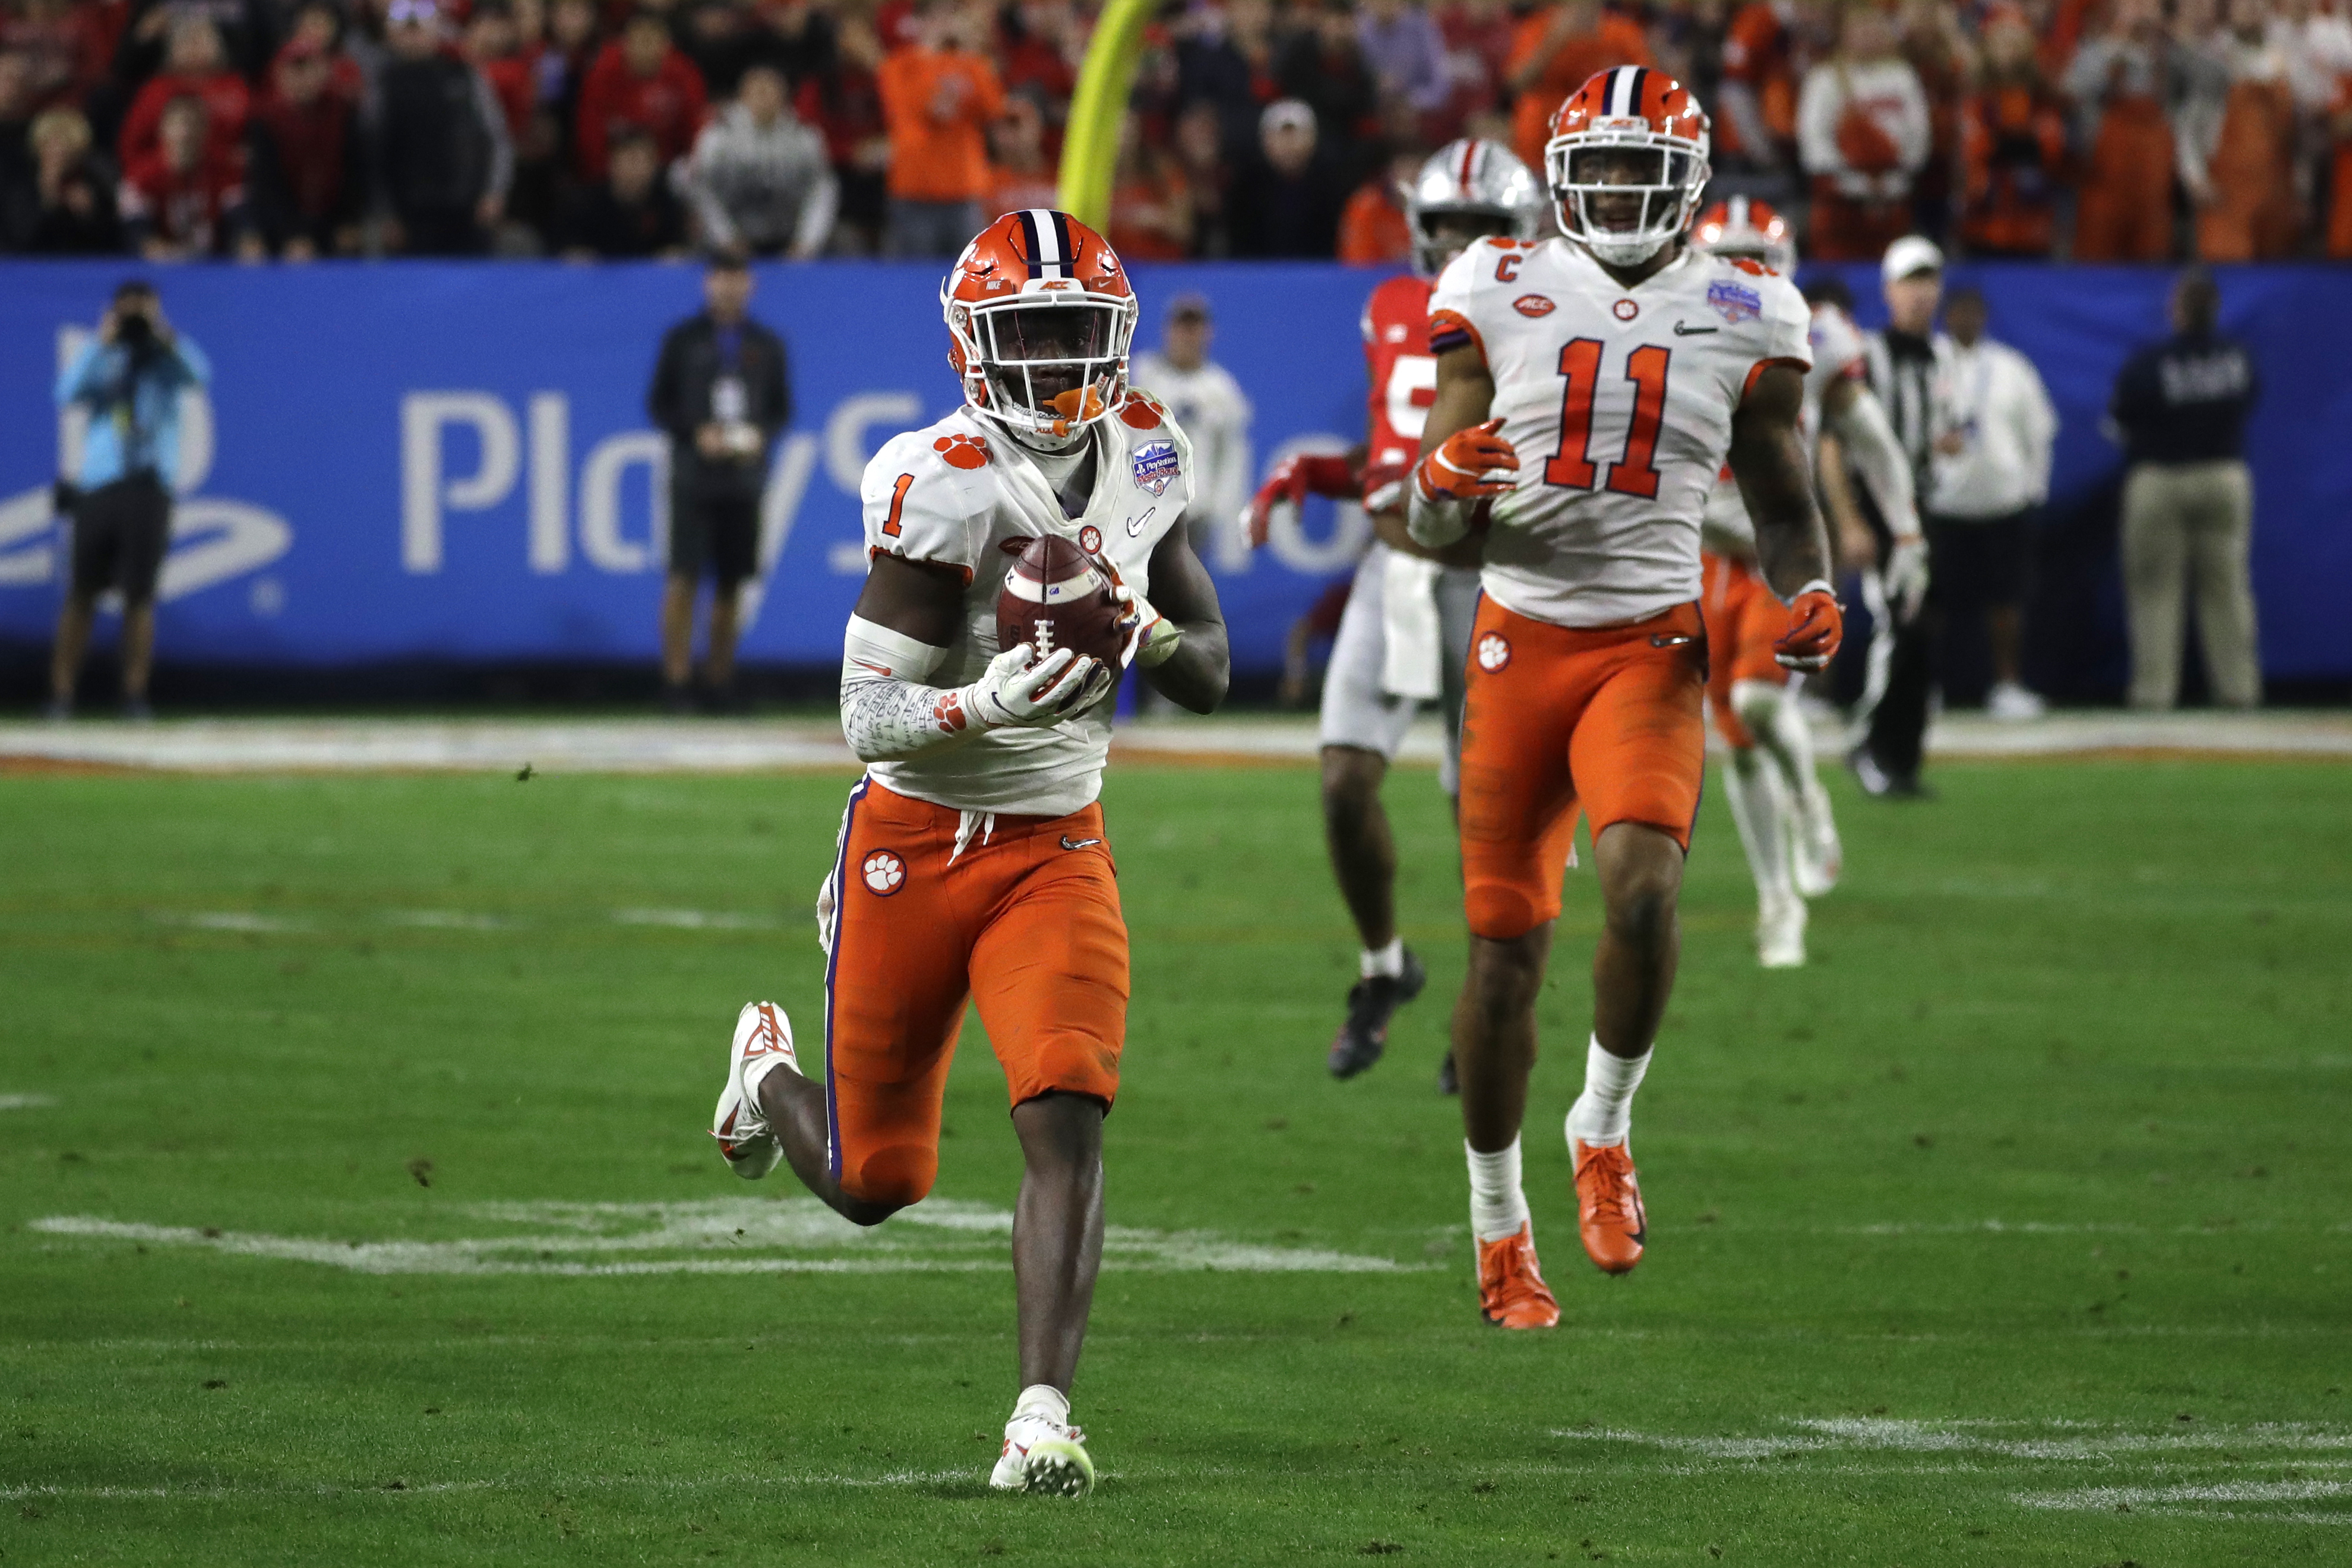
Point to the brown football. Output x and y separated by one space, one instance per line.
1057 596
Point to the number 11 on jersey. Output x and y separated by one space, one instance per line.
1635 471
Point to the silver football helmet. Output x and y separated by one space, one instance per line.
1475 179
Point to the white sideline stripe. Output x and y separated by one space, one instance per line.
549 1483
940 1236
696 920
1855 1434
230 919
447 920
2171 1500
26 1101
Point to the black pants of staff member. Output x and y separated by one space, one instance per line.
1887 761
121 531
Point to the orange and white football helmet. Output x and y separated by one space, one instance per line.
1627 162
1746 227
1041 315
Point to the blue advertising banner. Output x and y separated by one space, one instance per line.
420 460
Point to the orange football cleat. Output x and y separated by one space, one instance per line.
1608 1205
1511 1290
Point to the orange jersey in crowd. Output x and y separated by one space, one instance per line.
2014 142
1404 378
1756 53
1372 227
935 156
1617 41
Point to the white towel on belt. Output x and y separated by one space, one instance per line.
1409 627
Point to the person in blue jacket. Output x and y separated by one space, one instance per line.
129 377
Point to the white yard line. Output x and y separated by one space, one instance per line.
725 1235
26 1101
718 746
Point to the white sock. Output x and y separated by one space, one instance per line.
1388 961
1044 1402
1603 1113
1498 1206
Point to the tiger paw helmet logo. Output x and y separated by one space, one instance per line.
1494 652
961 451
883 872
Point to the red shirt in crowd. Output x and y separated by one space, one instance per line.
226 103
184 208
670 104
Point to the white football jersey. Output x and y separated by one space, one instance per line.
964 494
1619 402
1837 356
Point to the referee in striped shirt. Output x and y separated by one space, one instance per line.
1910 373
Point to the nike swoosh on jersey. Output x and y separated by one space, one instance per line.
1685 330
1135 524
1081 844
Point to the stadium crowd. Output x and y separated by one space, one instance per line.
2100 129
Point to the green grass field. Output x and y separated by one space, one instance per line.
359 1207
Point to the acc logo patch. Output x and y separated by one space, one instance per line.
884 873
1091 539
1625 309
1735 302
961 451
1533 305
1494 652
1155 467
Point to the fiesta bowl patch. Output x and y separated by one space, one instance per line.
1735 302
1533 305
1155 467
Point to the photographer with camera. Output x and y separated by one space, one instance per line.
129 378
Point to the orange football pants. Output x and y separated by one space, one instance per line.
1744 617
1557 720
1025 921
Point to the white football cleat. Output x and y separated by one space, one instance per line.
762 1035
1781 935
2013 703
1816 859
1044 1457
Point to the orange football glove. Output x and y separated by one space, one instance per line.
1294 480
1816 626
1469 465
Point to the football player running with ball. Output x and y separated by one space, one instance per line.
1405 634
1776 801
972 859
1589 389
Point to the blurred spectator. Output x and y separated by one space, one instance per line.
1930 37
1373 226
758 179
305 165
2240 165
1023 176
195 66
719 40
144 45
798 38
2340 179
1553 53
1215 413
939 97
1863 134
720 393
1990 475
2013 138
1406 53
493 46
1285 200
185 200
443 159
2188 503
319 22
2120 82
1151 212
68 49
16 120
1040 50
564 64
1322 66
63 203
127 379
846 104
1208 183
639 80
633 215
1756 107
1477 35
1225 57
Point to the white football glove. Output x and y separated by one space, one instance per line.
1905 579
1151 638
1021 691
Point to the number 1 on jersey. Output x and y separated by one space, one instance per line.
1634 473
897 504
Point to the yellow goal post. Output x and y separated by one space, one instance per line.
1090 145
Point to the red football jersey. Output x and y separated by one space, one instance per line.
1404 378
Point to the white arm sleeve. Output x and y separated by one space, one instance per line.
1878 458
886 710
